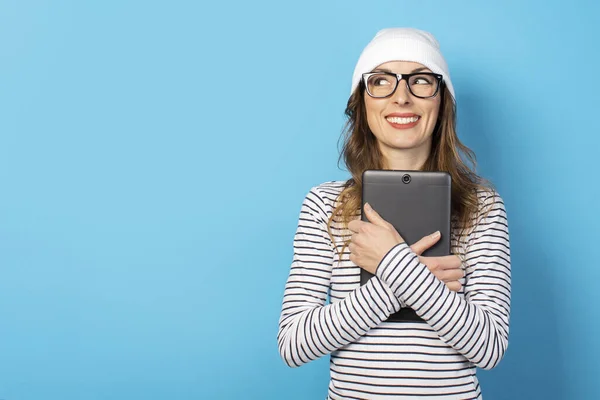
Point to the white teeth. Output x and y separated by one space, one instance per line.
398 120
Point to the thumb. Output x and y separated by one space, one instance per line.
374 217
426 242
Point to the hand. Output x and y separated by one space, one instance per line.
371 240
447 269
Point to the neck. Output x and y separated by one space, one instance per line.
406 159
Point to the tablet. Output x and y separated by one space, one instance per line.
416 203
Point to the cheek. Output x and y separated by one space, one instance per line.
372 122
434 115
437 111
373 116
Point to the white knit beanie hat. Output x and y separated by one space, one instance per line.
402 44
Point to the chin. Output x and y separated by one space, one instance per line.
406 143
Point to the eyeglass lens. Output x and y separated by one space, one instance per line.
383 85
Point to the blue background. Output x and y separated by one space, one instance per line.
154 156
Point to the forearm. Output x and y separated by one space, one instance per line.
308 330
478 329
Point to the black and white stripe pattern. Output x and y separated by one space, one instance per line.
375 359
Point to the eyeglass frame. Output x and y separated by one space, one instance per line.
399 77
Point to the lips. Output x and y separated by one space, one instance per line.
403 121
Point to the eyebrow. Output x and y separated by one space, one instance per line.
387 70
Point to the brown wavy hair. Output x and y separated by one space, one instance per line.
360 152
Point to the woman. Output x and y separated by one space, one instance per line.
401 115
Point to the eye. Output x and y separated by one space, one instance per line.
380 81
422 80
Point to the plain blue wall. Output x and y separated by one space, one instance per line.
154 156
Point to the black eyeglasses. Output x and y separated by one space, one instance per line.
383 84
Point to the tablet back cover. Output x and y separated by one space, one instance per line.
416 209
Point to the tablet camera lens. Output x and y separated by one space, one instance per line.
406 178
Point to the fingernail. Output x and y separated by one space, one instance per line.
435 235
368 207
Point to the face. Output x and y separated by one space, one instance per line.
403 123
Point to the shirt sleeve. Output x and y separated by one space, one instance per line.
309 329
476 325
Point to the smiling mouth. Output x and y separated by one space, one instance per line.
403 120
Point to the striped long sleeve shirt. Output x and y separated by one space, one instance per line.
375 359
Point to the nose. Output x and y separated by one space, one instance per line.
402 95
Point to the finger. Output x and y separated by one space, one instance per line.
374 217
431 262
449 262
355 225
442 262
426 242
450 275
454 286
